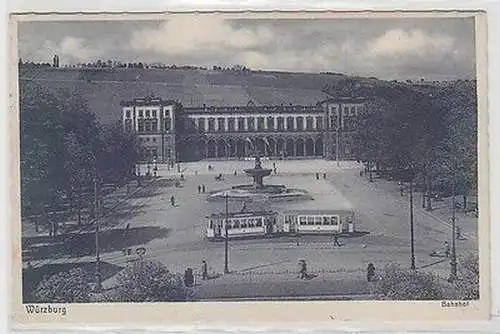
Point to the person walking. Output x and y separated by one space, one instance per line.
336 241
446 249
199 189
203 188
317 176
172 200
204 270
303 269
324 176
370 272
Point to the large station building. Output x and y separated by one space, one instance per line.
169 132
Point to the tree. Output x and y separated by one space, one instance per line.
148 281
397 283
73 286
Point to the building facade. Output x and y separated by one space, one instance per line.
169 132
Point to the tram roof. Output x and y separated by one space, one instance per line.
317 212
241 214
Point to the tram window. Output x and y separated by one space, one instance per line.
326 220
317 220
335 220
310 220
236 223
302 221
259 222
243 223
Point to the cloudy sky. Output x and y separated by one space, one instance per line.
439 48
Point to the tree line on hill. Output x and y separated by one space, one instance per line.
427 136
65 153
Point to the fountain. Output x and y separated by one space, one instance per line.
258 173
258 190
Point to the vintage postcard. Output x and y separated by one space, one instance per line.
218 168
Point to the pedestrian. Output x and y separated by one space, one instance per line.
188 277
360 173
199 189
324 176
370 272
235 173
204 270
275 170
274 165
336 240
172 200
401 188
317 176
203 188
446 249
182 177
303 269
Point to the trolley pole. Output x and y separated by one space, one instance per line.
226 241
453 263
412 258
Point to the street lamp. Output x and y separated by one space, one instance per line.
412 240
453 263
226 241
96 218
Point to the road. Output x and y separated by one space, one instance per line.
380 209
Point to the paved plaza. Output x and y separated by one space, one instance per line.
174 235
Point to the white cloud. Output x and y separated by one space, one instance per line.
69 49
184 35
398 42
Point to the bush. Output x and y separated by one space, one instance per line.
467 284
148 281
397 283
65 287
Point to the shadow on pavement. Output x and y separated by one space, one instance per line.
32 277
109 240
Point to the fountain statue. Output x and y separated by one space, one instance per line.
258 173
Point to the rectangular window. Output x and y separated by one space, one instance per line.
221 124
236 223
147 113
317 220
326 220
251 124
140 125
128 125
167 123
201 124
302 220
310 220
290 124
154 125
230 124
334 220
309 123
154 113
319 123
241 124
211 124
281 123
259 222
300 123
141 114
148 125
260 124
127 113
270 123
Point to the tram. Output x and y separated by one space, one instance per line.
241 225
318 221
269 223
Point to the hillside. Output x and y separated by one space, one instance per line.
105 88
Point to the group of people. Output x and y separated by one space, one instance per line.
318 174
201 189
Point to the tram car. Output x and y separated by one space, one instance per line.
318 221
241 225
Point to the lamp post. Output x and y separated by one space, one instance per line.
453 263
226 241
96 218
412 240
